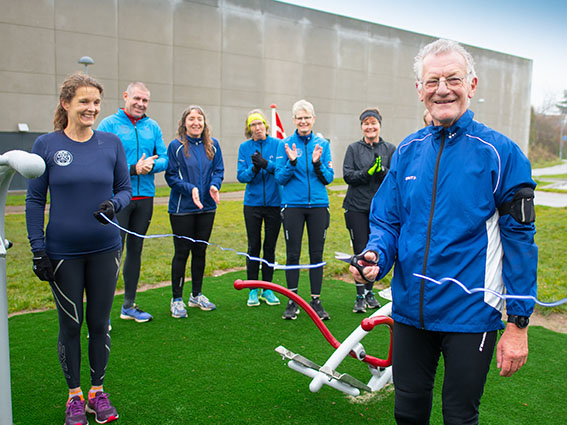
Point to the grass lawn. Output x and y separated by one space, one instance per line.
220 367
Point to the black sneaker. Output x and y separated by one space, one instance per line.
359 304
291 311
371 301
318 307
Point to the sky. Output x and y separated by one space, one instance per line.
535 30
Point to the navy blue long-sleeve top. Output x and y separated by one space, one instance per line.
79 176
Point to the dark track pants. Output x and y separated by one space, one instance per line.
135 217
294 220
358 226
416 353
95 275
254 217
198 227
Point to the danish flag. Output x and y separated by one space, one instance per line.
277 127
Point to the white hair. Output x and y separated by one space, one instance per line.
443 46
302 105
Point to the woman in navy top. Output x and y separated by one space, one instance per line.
86 174
256 167
195 173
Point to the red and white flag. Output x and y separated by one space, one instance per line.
277 127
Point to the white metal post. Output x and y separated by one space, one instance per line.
30 166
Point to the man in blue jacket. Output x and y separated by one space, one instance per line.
457 203
146 155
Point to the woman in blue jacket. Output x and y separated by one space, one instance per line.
256 167
304 168
195 173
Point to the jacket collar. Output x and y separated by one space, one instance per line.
194 140
304 139
457 129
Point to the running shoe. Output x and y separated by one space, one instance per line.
202 302
101 407
253 298
359 304
177 307
318 307
291 311
371 301
135 313
75 412
269 297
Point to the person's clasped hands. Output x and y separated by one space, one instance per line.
259 161
375 166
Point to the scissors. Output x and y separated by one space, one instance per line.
358 261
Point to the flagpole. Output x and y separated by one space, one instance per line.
274 125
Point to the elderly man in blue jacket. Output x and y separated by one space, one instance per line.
146 155
458 203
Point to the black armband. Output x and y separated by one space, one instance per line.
521 207
293 162
319 173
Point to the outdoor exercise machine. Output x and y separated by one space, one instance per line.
30 166
380 369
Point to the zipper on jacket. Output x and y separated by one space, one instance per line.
429 224
263 174
307 174
137 156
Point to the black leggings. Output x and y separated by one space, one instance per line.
416 353
95 275
253 217
135 217
294 220
198 227
358 227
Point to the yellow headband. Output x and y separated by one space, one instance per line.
253 117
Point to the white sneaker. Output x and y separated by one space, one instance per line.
178 309
202 302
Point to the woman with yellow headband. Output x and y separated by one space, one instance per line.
256 166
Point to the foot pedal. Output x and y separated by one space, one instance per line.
289 355
345 378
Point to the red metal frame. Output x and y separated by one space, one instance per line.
367 324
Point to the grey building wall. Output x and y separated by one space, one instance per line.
230 56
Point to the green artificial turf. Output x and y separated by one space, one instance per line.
220 367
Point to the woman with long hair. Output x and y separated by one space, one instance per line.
88 182
194 173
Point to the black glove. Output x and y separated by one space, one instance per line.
258 160
42 266
106 208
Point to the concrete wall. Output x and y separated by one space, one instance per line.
230 56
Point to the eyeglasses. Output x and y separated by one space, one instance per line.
451 83
303 118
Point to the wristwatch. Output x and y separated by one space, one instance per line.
520 321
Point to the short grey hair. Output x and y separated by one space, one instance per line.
302 105
136 84
443 46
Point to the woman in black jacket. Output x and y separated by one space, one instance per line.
365 165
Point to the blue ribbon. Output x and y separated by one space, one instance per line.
491 291
276 266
